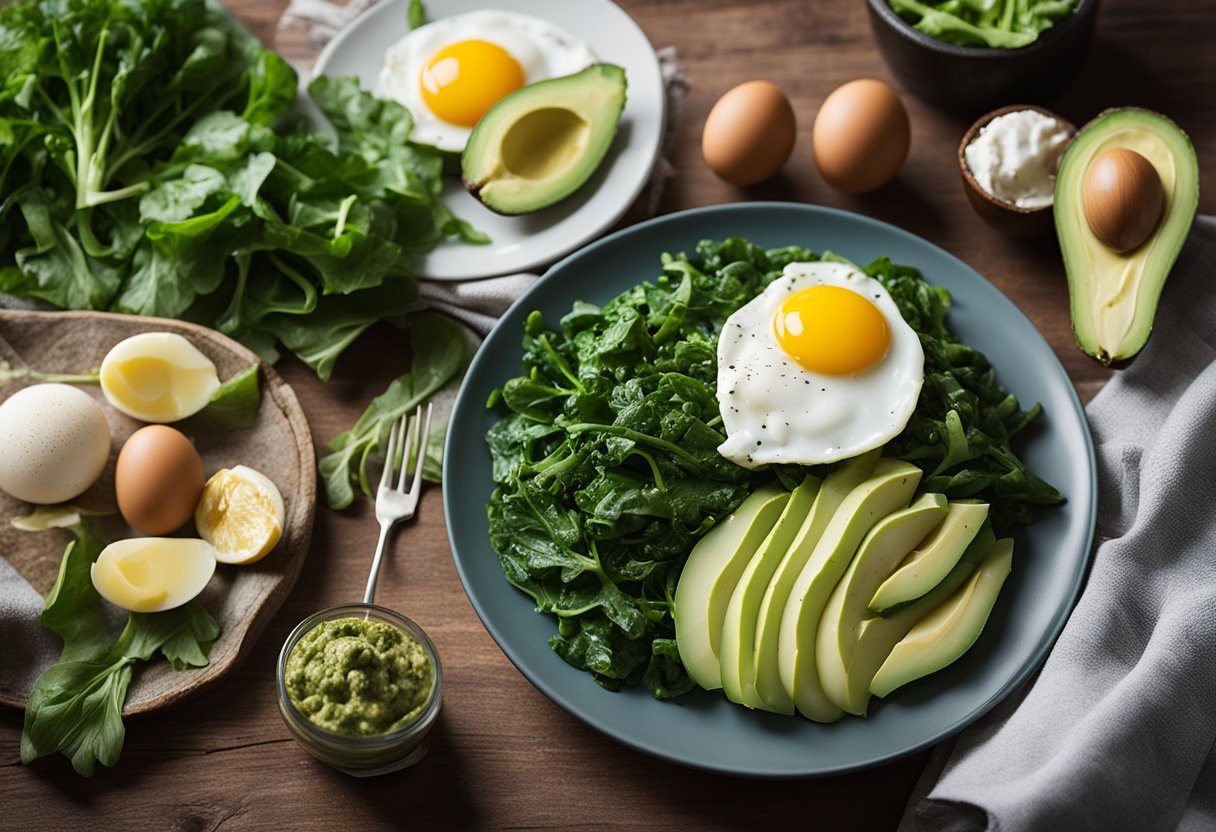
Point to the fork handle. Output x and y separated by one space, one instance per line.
369 594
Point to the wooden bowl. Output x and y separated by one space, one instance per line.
241 598
1001 215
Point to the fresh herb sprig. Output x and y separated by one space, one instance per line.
606 464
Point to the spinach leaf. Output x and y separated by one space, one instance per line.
605 457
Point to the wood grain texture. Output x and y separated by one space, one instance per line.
503 756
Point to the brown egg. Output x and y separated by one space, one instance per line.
1123 198
158 479
749 133
861 136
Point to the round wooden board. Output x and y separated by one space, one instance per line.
241 598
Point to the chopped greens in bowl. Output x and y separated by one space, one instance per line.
999 24
605 457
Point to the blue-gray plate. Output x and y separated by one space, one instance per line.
703 729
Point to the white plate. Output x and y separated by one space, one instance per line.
526 242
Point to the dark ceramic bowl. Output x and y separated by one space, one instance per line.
971 79
1001 215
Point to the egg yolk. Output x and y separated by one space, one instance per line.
832 330
464 79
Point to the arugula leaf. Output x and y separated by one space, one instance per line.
73 608
440 352
75 707
234 405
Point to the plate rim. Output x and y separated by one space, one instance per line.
1047 638
575 241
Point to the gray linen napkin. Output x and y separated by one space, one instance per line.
25 648
1118 729
478 304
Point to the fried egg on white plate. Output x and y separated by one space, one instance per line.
449 72
818 367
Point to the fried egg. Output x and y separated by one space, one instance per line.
819 367
449 72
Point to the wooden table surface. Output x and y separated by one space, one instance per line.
503 756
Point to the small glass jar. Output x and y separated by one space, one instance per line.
362 756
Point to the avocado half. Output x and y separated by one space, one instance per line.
1114 295
539 144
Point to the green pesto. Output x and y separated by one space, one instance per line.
359 678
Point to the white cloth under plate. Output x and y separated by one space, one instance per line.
1117 731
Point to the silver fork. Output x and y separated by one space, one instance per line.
396 504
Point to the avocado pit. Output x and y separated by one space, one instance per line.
1123 198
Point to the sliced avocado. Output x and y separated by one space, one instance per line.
947 632
889 541
877 636
539 144
836 486
1113 295
889 488
931 561
737 651
710 575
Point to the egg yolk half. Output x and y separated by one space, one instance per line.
832 330
464 79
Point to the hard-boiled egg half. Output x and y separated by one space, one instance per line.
153 574
819 367
158 377
448 73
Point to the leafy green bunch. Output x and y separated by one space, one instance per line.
606 464
150 164
1002 24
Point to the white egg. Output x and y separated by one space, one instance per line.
539 49
817 368
56 443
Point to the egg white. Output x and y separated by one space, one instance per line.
541 49
774 410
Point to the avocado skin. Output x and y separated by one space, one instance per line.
1090 265
595 96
